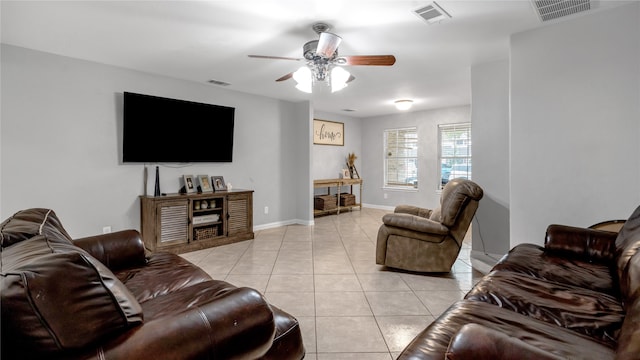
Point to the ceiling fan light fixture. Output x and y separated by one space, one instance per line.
328 44
303 77
403 104
339 78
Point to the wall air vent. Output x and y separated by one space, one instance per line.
432 13
553 9
218 82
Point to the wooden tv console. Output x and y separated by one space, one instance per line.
181 223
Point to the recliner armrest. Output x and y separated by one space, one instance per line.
116 250
587 244
415 223
413 210
474 341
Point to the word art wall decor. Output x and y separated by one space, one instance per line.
328 132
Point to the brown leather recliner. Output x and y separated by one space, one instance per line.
425 240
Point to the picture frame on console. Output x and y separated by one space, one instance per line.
205 185
189 185
218 183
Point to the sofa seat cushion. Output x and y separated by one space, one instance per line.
591 313
163 273
52 291
532 260
433 342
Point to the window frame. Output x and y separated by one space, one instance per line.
408 160
458 157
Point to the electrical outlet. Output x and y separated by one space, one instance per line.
266 210
106 229
385 195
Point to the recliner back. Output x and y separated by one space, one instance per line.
455 195
458 204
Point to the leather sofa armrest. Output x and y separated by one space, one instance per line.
415 223
474 341
587 244
413 210
239 324
116 250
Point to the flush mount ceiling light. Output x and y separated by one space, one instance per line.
323 64
403 104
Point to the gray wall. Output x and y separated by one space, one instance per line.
61 136
572 100
490 134
328 160
427 194
575 123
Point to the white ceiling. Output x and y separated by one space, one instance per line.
203 40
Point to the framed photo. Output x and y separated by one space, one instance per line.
345 174
328 132
189 184
205 185
218 183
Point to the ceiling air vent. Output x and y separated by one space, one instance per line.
432 13
218 82
553 9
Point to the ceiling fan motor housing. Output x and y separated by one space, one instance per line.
309 49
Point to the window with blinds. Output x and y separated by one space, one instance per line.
401 157
454 151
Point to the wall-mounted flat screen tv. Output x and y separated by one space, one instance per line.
163 130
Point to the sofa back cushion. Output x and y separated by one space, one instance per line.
56 297
627 258
25 224
628 344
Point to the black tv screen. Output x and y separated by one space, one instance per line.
163 130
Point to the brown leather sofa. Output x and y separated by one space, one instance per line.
578 297
102 297
426 240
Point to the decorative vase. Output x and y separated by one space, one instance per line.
157 190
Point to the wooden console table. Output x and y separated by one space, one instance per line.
337 184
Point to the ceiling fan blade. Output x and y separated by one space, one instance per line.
376 60
285 77
274 57
328 44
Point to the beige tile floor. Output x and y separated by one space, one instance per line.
325 275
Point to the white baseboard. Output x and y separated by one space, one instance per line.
282 223
483 262
379 207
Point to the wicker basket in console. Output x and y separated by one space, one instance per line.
205 233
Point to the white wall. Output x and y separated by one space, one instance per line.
429 175
490 134
61 135
574 122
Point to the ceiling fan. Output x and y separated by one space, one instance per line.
323 62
